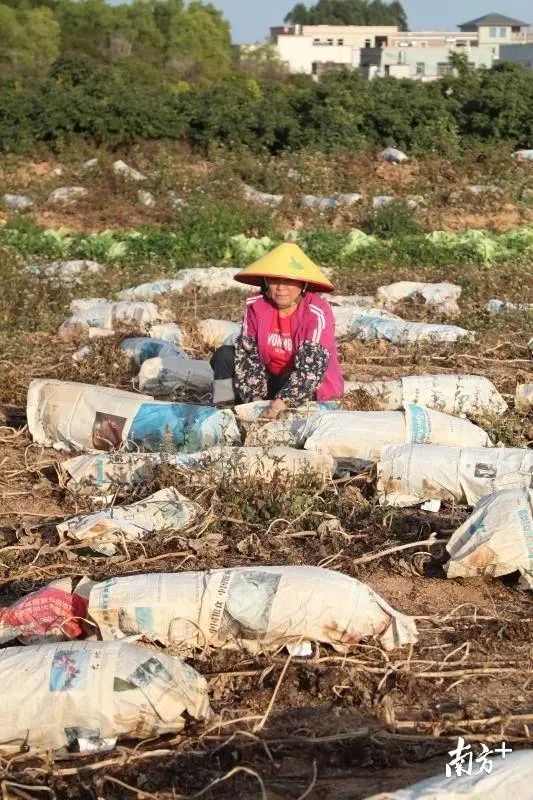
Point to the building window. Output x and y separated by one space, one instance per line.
420 69
493 32
444 68
368 43
516 29
316 41
503 33
330 41
340 42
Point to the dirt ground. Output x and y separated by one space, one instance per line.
290 728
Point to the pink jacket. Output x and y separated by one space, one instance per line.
311 322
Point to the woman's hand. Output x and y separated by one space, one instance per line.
275 407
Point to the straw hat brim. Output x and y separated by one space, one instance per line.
257 280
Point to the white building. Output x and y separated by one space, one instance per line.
518 53
421 62
497 29
307 48
385 50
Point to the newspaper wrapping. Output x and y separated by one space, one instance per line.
509 777
496 539
102 473
164 511
255 608
469 395
164 374
77 416
356 438
250 412
412 473
82 696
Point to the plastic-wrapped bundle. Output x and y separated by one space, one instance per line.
358 437
99 691
67 270
250 412
254 608
471 395
495 306
142 348
78 416
101 473
166 510
346 316
208 279
163 375
509 777
369 326
441 296
496 539
329 203
412 473
168 332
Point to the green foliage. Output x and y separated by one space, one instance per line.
394 220
349 12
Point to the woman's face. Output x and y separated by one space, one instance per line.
284 292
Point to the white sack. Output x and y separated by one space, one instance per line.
510 779
216 332
393 155
107 315
471 395
254 608
441 296
358 437
162 375
523 400
66 270
121 168
208 279
77 416
165 511
17 202
168 332
347 316
496 539
411 474
263 198
142 348
329 203
496 306
364 300
67 194
85 695
101 473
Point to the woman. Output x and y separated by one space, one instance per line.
286 352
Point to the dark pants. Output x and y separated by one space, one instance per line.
223 365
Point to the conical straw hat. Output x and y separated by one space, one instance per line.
285 261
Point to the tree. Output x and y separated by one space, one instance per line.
30 39
349 12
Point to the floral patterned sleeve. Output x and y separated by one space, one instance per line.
310 365
250 372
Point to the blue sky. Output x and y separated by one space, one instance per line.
251 19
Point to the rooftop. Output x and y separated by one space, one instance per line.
493 19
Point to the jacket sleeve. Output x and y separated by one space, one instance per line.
250 372
311 360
